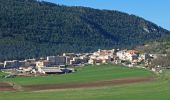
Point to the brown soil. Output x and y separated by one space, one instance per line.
4 86
88 84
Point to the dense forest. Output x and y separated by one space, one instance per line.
31 28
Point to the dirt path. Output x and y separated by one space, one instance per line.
88 84
10 86
5 86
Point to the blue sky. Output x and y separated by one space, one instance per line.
157 11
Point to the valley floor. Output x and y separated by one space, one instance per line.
141 87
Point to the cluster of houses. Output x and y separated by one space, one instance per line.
64 63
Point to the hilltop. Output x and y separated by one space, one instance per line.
30 28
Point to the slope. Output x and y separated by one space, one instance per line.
30 28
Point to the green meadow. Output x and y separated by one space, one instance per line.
159 89
156 90
84 74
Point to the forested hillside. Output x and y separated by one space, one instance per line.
30 28
160 46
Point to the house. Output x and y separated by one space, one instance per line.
102 56
51 70
132 55
75 59
44 63
39 64
51 58
1 65
11 64
30 62
60 60
104 52
128 55
79 60
69 55
121 54
57 60
56 70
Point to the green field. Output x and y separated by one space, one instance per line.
84 74
158 89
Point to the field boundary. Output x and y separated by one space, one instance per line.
88 84
7 86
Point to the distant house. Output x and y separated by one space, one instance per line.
11 64
1 65
60 60
56 70
51 70
78 60
102 56
30 62
57 60
23 64
132 55
69 55
128 55
121 54
43 63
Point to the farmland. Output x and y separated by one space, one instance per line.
140 91
84 74
158 89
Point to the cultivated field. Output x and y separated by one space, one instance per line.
139 91
84 74
157 88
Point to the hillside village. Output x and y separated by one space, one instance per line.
66 62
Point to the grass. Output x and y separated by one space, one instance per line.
84 74
2 74
156 90
153 90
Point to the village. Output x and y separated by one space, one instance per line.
67 62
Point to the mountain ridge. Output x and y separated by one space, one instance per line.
31 28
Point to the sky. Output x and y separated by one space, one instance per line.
156 11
